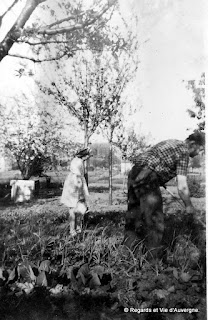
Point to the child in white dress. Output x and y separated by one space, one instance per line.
75 192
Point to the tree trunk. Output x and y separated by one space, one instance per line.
86 144
15 32
110 173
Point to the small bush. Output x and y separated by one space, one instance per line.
196 188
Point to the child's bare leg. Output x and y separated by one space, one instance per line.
79 215
78 224
72 221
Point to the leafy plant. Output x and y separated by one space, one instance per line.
32 137
198 110
197 189
40 259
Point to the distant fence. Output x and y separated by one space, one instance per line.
196 176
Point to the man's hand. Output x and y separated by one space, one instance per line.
184 193
190 210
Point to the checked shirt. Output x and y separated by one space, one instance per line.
167 158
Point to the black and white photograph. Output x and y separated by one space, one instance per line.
103 159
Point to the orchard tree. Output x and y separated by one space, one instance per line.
32 137
57 28
198 109
112 124
120 71
85 84
130 143
116 130
99 96
111 54
118 76
86 78
96 80
83 92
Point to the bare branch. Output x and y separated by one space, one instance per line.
60 30
12 5
47 31
16 30
43 42
64 20
38 60
62 99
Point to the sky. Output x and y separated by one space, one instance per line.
174 51
172 35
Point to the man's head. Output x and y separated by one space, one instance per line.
196 143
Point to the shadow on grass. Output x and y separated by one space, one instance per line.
40 305
44 193
103 218
101 189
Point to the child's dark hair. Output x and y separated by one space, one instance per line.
83 153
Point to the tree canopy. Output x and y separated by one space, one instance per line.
59 26
33 137
198 109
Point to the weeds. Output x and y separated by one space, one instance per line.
95 263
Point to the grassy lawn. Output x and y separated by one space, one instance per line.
45 274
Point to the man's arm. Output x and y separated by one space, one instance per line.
184 193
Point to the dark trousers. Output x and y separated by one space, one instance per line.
144 218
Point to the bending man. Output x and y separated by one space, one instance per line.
152 169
